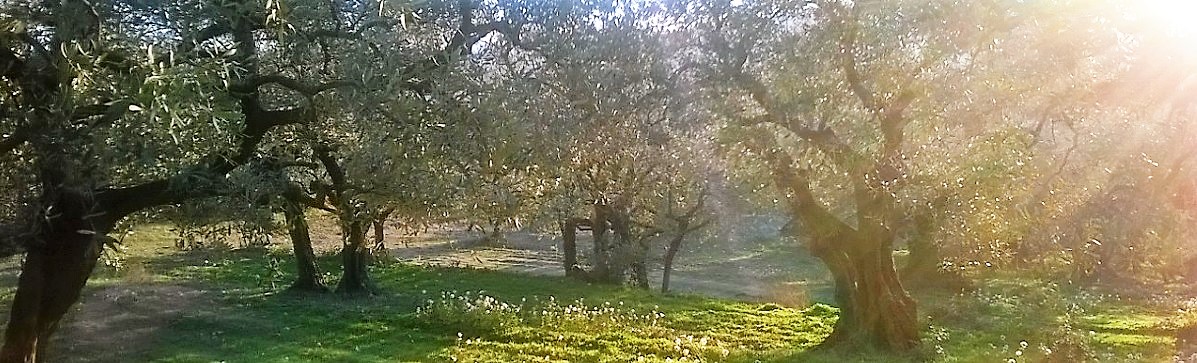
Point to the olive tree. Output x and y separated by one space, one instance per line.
824 95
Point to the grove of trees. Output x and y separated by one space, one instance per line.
1051 136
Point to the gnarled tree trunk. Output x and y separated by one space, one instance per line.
355 255
60 258
307 275
379 226
875 309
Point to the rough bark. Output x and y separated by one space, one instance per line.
640 274
625 254
875 309
379 227
61 255
599 227
307 276
355 254
924 254
686 222
355 278
57 265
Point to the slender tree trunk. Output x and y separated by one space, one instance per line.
379 234
307 275
675 244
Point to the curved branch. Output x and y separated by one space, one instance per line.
116 203
848 62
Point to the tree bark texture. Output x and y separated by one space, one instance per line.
307 276
355 255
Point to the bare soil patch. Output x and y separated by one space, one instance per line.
732 266
114 323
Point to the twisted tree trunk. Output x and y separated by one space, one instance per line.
307 275
875 309
355 255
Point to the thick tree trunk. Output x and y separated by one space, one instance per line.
569 247
355 278
307 275
925 257
640 273
875 309
58 262
626 254
355 255
602 249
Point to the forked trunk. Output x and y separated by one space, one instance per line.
307 275
379 225
379 234
355 278
875 309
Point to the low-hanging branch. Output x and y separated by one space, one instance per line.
120 202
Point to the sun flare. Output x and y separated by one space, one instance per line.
1176 18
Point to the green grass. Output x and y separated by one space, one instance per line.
422 310
247 316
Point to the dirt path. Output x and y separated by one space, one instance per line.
113 323
785 277
120 320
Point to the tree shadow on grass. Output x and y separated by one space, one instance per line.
250 316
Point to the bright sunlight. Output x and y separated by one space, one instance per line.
557 181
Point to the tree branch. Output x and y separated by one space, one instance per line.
309 90
198 182
848 63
